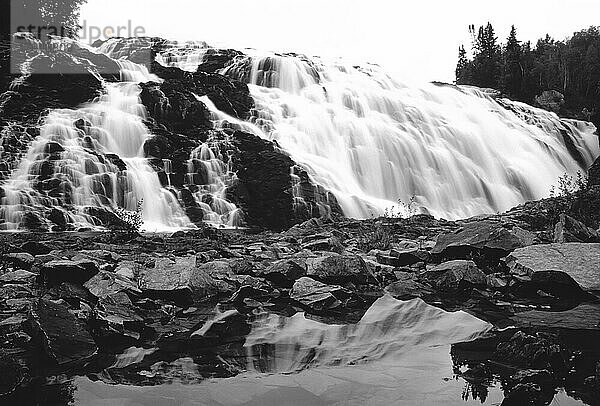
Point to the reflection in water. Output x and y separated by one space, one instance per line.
397 354
390 329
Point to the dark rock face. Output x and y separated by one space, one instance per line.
63 337
180 123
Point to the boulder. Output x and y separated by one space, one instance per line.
491 237
178 280
407 287
339 268
456 275
63 337
36 248
105 284
21 260
68 271
570 230
282 273
318 296
116 316
19 276
580 261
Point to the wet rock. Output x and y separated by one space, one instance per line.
580 261
407 287
282 273
339 268
318 296
456 275
68 271
34 222
117 316
105 284
63 337
21 260
488 236
178 280
570 230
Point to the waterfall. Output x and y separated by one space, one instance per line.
378 144
457 152
92 157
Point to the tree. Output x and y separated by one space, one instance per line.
512 69
463 68
485 69
47 17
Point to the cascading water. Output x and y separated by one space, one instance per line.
454 151
372 141
93 158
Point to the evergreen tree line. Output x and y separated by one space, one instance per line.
523 72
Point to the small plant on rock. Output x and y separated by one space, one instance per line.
130 221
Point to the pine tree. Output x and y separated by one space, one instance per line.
487 58
512 75
463 68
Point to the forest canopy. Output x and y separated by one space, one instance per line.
530 73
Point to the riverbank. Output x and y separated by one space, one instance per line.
127 309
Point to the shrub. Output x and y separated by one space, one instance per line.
131 221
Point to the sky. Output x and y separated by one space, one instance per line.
415 41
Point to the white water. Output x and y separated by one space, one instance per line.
114 126
371 140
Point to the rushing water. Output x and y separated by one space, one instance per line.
75 163
372 140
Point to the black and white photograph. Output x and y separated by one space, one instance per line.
299 203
